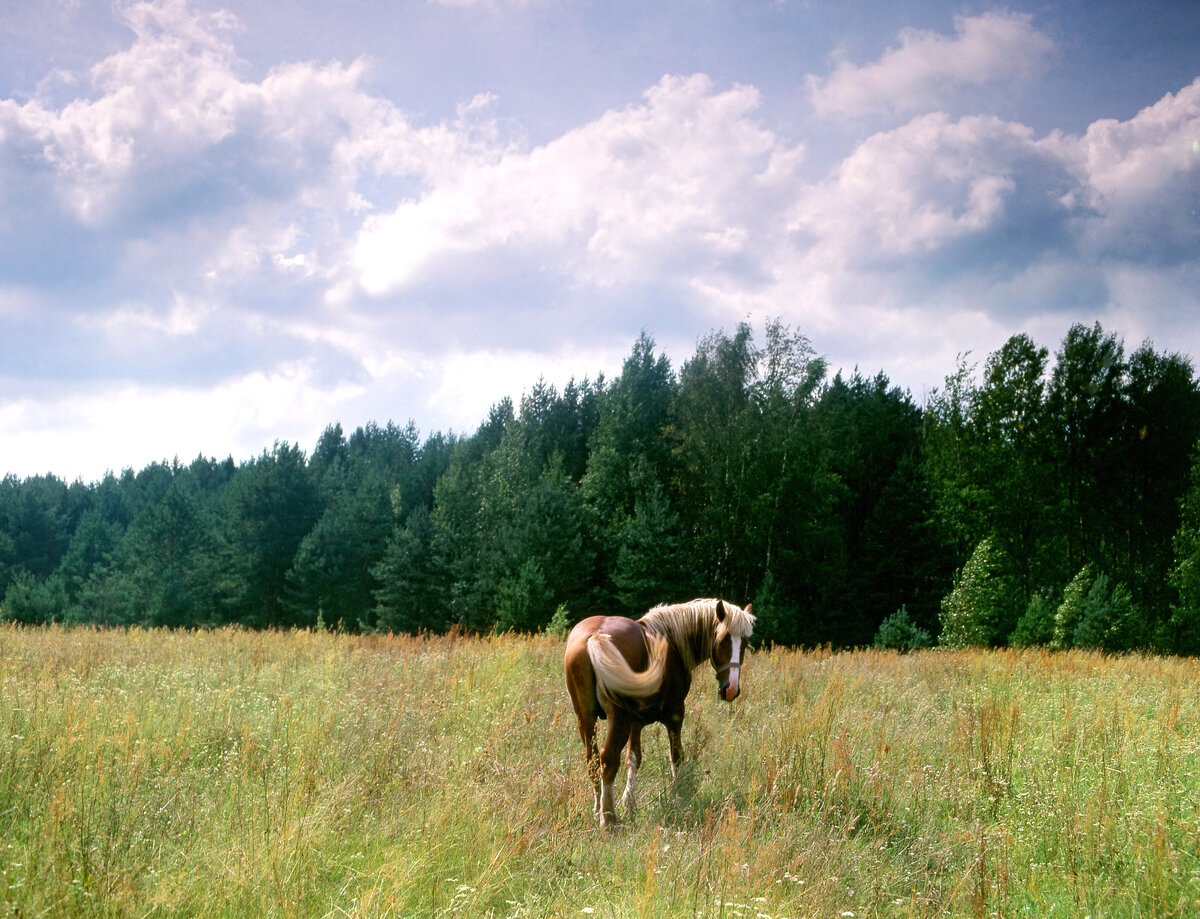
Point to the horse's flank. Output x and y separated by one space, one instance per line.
614 676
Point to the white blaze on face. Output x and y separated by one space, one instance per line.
735 663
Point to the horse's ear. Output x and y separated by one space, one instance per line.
720 611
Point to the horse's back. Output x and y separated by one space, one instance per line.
626 635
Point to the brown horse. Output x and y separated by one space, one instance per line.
635 673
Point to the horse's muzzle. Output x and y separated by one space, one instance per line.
728 691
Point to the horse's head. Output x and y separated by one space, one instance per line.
734 627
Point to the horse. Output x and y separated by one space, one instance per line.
637 672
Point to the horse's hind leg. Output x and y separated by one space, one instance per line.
591 757
581 686
634 760
674 727
610 759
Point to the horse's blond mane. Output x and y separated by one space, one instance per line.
693 630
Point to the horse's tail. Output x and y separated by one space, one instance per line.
614 676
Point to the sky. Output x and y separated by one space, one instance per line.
227 223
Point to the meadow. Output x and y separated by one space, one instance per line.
152 773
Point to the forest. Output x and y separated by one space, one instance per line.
1031 500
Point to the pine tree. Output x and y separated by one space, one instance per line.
652 565
1110 620
410 596
170 562
1035 628
269 507
898 632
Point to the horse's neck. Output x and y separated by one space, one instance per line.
692 647
701 647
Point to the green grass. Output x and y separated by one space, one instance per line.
155 773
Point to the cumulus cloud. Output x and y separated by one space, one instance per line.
928 68
234 259
1143 181
171 178
939 185
181 161
676 185
155 103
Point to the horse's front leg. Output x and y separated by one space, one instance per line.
610 759
634 760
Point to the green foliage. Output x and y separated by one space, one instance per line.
37 517
1035 628
106 598
95 545
1097 614
978 612
899 633
1182 631
331 570
1109 620
951 460
882 519
411 579
270 506
560 623
32 600
829 503
779 621
1071 611
523 598
170 559
652 561
754 488
1010 445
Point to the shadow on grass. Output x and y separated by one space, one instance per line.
686 803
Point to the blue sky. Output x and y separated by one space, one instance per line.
228 223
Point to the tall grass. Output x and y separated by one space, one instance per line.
156 773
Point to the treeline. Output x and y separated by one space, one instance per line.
1037 503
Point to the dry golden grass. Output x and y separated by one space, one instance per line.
155 773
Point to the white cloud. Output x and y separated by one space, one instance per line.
928 68
1143 181
916 190
81 433
265 256
678 184
175 152
465 384
946 231
162 99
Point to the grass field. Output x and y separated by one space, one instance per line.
154 773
